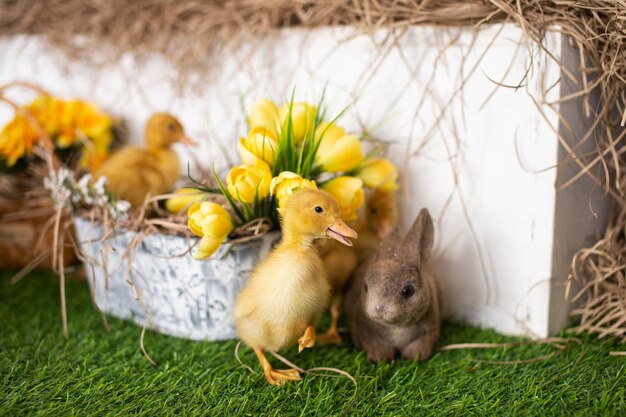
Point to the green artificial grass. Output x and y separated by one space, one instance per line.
99 373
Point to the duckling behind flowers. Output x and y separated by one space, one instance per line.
288 291
134 172
381 217
340 262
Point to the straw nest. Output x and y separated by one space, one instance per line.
596 28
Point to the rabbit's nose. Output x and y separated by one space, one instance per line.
380 308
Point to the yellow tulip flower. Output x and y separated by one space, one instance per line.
90 121
208 246
260 145
348 191
185 197
94 154
212 223
67 133
47 110
244 182
17 139
286 183
302 119
337 151
264 114
330 131
379 174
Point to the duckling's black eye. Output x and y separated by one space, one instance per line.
373 210
319 209
408 291
171 127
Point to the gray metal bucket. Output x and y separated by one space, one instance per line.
175 295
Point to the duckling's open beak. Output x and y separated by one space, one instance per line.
341 232
187 141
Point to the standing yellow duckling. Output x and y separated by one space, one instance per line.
134 172
340 262
288 291
381 217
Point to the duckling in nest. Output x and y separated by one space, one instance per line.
288 291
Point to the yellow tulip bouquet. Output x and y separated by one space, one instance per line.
288 148
81 133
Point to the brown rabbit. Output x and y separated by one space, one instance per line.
393 302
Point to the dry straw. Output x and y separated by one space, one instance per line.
595 28
600 272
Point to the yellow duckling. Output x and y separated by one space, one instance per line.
288 291
134 172
340 262
381 217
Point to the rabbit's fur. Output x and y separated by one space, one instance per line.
393 302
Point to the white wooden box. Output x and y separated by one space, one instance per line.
483 156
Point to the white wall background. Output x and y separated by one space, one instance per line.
480 158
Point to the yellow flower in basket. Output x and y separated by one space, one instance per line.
264 114
47 110
348 191
259 145
90 121
17 139
286 183
67 133
244 182
337 151
302 118
184 198
67 122
97 127
212 223
379 174
96 152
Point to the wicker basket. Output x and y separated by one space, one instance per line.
27 235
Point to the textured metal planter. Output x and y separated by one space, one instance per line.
176 295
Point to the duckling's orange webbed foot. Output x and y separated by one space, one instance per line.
332 336
276 376
280 376
307 340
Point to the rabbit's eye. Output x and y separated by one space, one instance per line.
365 287
373 210
408 291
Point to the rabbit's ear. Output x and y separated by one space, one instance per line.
390 246
418 242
